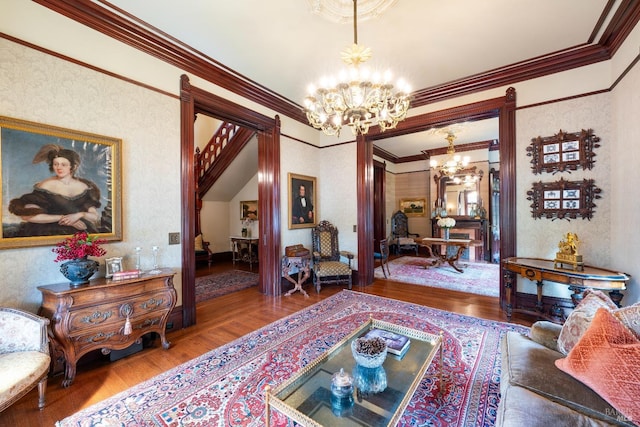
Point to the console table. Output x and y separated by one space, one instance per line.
105 314
242 249
540 270
441 258
476 228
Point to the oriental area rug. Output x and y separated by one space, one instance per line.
477 277
225 282
225 387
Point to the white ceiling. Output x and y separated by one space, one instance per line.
283 46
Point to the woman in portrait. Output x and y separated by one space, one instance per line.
61 204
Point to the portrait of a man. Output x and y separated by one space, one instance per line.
302 203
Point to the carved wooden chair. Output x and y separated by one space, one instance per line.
383 256
400 236
327 264
24 356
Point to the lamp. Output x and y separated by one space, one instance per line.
454 162
358 97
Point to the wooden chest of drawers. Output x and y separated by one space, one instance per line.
106 314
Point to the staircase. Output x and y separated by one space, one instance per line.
228 140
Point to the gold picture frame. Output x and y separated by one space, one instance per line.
249 210
414 207
30 184
302 216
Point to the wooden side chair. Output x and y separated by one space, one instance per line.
383 257
328 266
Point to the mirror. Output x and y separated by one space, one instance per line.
459 195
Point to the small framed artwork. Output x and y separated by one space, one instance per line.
56 182
113 265
563 199
413 207
563 151
302 201
249 210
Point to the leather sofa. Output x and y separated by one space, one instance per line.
534 392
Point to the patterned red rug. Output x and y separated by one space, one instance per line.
225 282
225 387
477 278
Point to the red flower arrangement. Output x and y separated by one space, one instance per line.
80 245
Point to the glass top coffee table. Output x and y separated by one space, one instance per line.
380 395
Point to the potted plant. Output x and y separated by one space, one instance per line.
75 250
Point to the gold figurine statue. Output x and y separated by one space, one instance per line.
568 253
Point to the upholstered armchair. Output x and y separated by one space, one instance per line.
328 266
401 239
24 356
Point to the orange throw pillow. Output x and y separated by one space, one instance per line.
580 318
607 359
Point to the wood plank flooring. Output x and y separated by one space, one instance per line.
219 321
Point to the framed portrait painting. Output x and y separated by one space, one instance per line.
56 182
302 201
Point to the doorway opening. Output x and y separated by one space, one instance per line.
193 101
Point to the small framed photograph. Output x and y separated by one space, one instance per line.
113 265
249 210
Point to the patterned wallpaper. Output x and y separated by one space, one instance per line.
44 89
539 237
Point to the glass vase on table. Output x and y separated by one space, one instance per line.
445 233
155 269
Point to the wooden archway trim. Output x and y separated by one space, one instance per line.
502 107
192 101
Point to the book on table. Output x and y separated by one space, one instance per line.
126 274
396 344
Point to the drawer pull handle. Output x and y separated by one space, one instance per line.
127 326
97 317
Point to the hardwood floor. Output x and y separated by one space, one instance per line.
219 321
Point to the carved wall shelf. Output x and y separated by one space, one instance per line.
563 199
563 151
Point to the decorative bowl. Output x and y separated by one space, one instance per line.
364 358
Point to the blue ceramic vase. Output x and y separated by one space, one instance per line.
79 270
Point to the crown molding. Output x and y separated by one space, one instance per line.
129 30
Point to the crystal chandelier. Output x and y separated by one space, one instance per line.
454 163
358 97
